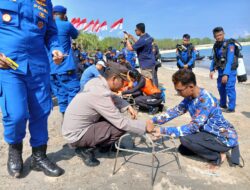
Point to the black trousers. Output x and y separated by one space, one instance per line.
99 134
204 145
146 102
155 76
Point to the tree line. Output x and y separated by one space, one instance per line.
90 42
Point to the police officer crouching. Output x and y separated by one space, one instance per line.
185 54
64 79
225 61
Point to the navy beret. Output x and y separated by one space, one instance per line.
60 9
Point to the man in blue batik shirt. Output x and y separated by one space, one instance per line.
209 134
225 61
64 79
27 28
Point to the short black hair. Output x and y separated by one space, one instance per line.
121 56
135 74
187 36
184 76
218 29
141 27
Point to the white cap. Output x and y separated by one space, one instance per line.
101 63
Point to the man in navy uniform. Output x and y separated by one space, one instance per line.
27 28
225 61
64 79
185 54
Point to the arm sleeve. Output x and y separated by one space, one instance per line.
171 113
140 43
121 104
106 108
51 39
199 119
73 31
212 66
230 59
179 59
140 85
192 60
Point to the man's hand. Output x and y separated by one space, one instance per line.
157 132
132 112
4 64
57 56
119 93
149 126
126 36
211 74
224 79
185 67
130 36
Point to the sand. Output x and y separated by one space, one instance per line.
194 175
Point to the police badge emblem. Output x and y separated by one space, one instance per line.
40 24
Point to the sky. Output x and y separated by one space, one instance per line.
166 18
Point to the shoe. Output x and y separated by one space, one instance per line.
15 161
228 111
153 110
40 162
88 156
110 148
223 107
161 108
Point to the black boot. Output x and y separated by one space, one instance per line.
88 156
40 162
15 161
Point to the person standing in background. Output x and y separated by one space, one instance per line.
64 80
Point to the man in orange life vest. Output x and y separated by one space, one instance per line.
146 94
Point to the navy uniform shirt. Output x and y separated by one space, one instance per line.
27 28
183 57
66 32
144 50
230 59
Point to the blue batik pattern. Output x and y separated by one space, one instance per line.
206 116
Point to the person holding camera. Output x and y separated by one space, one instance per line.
144 50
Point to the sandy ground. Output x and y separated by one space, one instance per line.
133 176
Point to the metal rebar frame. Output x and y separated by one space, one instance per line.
153 145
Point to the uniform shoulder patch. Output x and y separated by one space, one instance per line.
231 48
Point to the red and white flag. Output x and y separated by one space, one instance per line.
81 24
96 25
102 26
76 22
73 20
88 26
117 24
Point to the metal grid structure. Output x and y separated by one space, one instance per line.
154 149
